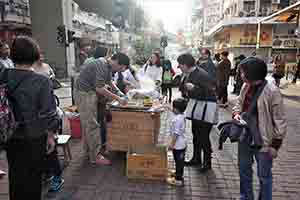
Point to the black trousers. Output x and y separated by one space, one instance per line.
223 93
201 140
297 74
26 161
164 89
179 156
102 120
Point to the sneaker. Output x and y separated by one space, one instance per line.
172 173
173 181
101 160
56 184
2 173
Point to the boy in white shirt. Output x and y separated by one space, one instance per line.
178 144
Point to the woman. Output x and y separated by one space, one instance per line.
43 68
199 88
279 69
33 101
167 79
126 80
272 128
153 69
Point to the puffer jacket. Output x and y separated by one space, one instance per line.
271 113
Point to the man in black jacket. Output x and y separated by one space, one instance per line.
206 63
223 74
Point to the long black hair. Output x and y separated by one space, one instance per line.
254 69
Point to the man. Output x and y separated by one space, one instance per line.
5 62
206 63
223 74
238 80
94 84
297 74
271 128
84 54
198 87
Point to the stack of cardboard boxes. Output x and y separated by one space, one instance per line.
136 132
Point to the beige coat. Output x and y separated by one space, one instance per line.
271 112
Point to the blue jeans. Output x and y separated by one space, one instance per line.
264 171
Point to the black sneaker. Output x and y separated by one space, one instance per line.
205 168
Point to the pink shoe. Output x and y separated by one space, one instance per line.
101 160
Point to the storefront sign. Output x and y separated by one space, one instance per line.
286 43
246 35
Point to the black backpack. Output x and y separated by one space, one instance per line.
8 122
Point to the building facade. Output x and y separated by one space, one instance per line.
235 28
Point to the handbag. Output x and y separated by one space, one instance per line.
245 130
56 84
206 111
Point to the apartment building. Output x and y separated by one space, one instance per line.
236 28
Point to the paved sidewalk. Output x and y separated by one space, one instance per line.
83 182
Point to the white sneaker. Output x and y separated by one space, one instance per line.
2 173
173 181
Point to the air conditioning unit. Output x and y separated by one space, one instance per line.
275 1
252 13
242 14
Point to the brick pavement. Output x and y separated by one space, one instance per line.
109 183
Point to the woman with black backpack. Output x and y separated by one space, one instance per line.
34 108
167 79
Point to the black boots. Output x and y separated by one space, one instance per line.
196 159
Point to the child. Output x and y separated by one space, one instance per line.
54 170
178 144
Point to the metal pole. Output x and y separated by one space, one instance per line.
258 35
257 7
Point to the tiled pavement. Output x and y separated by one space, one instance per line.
110 183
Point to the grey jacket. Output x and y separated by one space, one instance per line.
271 112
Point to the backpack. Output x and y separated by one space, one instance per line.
8 123
167 77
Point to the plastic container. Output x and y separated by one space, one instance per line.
75 127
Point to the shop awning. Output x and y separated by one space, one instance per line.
289 14
233 22
286 15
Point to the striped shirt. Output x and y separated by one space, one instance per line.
96 73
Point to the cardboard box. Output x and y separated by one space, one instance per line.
130 129
148 163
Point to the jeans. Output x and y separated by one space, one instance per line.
53 167
179 163
264 171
